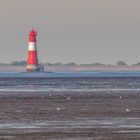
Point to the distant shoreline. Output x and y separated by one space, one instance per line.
75 68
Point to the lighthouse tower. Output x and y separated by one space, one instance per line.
32 60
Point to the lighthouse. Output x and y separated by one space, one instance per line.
32 60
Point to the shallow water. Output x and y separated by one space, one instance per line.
70 84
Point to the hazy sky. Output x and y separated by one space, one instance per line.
83 31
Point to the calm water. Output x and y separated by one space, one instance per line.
70 81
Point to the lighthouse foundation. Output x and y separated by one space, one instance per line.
32 68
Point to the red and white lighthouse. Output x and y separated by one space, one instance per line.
32 60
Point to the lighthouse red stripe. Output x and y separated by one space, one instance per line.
32 53
32 36
32 57
32 39
32 61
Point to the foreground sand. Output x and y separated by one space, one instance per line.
70 115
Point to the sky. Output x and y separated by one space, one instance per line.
81 31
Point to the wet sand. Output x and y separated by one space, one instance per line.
101 115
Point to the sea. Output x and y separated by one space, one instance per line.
70 81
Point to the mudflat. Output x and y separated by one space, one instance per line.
53 115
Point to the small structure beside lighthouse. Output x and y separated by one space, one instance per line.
32 60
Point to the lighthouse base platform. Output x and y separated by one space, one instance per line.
35 68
